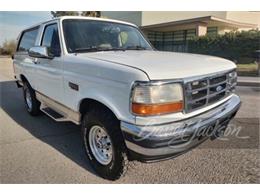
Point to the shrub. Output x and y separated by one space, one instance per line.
235 46
8 47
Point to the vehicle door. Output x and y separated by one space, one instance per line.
50 71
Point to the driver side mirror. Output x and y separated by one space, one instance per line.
40 52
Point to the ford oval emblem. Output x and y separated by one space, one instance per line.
219 88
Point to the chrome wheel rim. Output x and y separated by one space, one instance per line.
100 145
28 99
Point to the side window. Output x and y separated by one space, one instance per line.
51 40
27 39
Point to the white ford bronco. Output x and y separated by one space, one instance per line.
132 102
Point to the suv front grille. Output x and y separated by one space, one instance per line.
203 92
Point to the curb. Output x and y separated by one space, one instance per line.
248 84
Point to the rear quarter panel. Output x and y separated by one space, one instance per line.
23 65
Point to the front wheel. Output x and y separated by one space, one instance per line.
32 104
104 143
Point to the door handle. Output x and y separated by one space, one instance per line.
36 61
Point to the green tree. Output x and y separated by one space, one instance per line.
56 14
91 13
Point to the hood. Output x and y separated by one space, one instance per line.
165 65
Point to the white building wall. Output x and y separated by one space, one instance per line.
155 17
244 17
127 16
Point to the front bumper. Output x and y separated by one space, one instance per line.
156 142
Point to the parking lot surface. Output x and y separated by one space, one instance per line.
40 150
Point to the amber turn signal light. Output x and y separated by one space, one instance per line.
156 109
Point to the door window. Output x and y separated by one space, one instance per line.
51 39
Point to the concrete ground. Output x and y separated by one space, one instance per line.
40 150
249 81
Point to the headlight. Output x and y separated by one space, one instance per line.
155 99
232 81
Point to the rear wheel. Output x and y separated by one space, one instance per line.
104 143
32 104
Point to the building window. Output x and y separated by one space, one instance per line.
171 41
212 31
190 34
156 38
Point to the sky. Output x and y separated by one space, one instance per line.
12 23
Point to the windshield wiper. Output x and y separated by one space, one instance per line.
136 47
86 49
113 49
95 49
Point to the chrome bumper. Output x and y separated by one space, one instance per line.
154 142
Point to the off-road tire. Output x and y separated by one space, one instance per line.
104 118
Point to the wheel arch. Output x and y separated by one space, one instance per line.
23 78
88 103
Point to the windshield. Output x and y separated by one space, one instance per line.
88 36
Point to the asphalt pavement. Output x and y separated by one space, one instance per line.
40 150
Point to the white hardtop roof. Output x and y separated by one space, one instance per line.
82 18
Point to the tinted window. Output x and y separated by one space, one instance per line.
82 34
51 39
28 40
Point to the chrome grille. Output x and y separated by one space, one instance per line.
202 92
